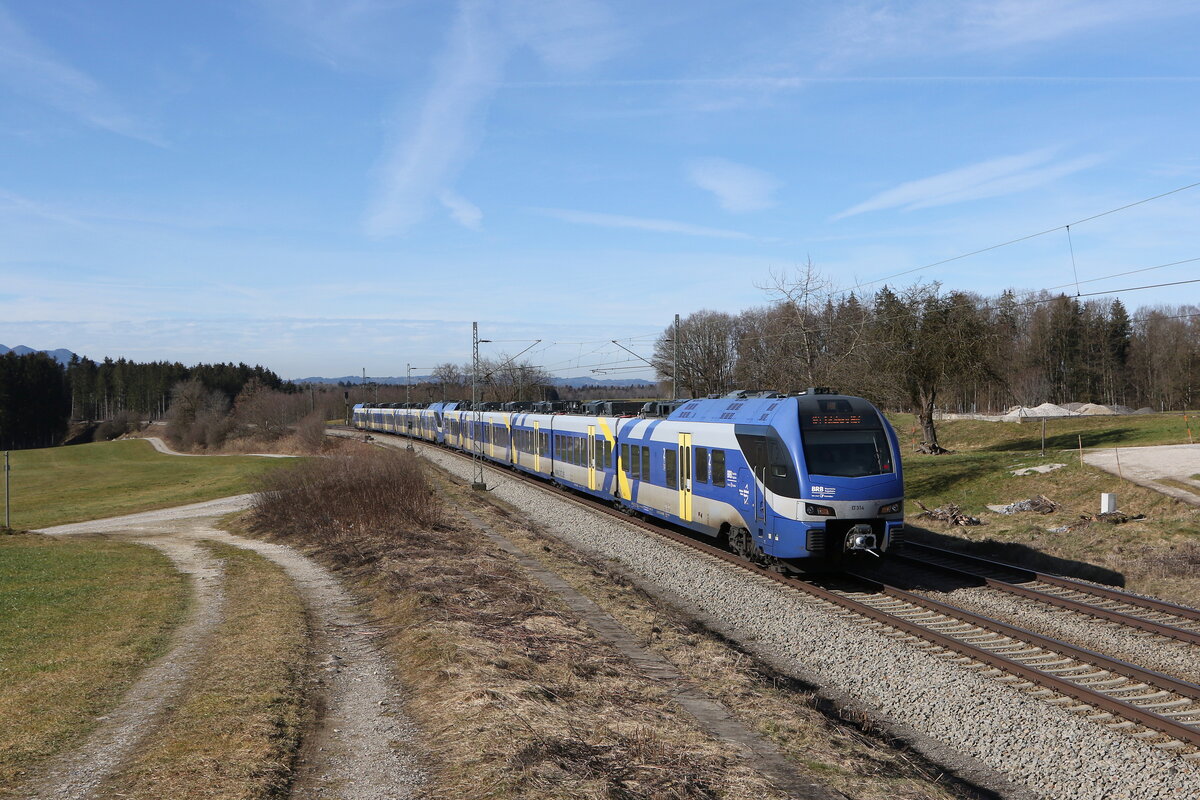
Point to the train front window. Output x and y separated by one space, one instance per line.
847 453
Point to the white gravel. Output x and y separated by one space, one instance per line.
1052 752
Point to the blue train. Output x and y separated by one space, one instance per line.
788 478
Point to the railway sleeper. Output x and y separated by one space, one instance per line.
1172 704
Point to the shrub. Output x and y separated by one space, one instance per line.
347 498
124 422
310 432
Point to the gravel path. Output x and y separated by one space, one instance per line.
164 448
363 746
1145 466
1047 750
121 731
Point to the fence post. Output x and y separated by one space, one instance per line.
7 502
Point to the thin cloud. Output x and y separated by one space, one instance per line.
32 69
993 178
871 30
738 188
640 223
447 127
568 34
463 211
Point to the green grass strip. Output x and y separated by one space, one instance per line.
58 485
79 619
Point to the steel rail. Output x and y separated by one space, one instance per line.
1147 719
1106 592
1160 628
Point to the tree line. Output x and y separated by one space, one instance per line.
39 397
103 390
922 348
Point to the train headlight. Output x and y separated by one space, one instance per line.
892 508
815 510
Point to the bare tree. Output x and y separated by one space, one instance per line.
814 335
452 379
707 353
504 379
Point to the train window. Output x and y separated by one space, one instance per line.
718 467
608 454
645 463
598 452
624 458
847 453
702 464
770 462
671 467
635 466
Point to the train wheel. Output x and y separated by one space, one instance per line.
742 543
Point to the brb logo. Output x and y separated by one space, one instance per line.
824 491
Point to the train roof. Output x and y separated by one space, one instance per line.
759 410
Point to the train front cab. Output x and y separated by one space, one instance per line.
851 478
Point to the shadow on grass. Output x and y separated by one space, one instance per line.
1019 554
1109 437
948 473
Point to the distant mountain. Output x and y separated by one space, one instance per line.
61 355
393 381
357 379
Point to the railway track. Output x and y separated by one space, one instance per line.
1143 613
1143 703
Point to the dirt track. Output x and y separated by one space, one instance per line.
363 746
1148 466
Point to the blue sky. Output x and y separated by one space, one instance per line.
322 186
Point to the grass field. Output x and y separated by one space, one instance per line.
78 619
58 485
1154 555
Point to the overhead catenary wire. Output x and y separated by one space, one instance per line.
1024 238
574 362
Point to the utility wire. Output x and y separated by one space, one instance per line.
1026 238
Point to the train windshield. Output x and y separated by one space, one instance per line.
847 452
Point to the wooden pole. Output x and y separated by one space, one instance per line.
7 501
1081 449
1043 436
1120 475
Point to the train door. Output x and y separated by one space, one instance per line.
685 477
537 447
590 457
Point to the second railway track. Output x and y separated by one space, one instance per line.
1103 602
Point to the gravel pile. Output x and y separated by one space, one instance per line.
1052 752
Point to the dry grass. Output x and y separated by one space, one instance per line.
514 695
235 731
845 753
79 619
